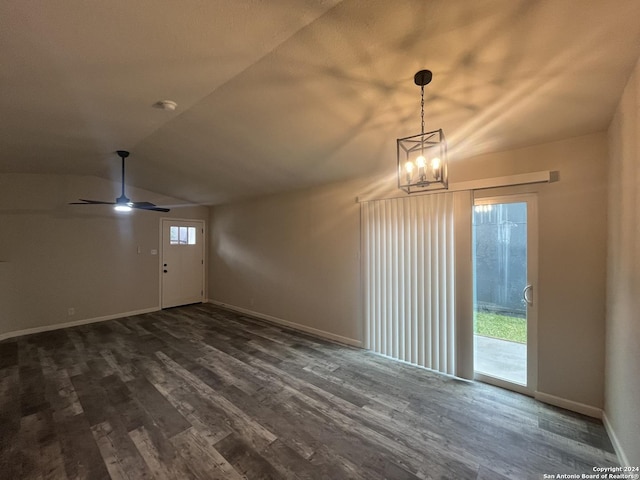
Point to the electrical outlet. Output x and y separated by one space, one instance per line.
71 311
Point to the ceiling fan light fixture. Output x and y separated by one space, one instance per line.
122 208
123 204
422 158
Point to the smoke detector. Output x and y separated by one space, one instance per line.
168 105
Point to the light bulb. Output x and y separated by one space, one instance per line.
421 162
435 168
408 167
123 207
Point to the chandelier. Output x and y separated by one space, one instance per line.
422 158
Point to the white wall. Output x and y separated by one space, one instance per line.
55 256
622 393
293 256
296 257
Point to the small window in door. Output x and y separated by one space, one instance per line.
182 235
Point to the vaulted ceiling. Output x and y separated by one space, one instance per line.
282 94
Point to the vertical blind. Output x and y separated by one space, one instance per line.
409 279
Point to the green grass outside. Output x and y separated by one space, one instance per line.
501 326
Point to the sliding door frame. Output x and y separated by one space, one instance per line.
531 199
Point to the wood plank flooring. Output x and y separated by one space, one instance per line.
200 392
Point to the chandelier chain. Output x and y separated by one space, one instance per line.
422 108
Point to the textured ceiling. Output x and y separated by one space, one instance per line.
282 94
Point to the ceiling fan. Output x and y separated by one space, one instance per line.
122 203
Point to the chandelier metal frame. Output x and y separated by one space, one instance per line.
422 158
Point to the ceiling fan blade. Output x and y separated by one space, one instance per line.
91 202
122 202
149 206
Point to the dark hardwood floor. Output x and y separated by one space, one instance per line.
201 392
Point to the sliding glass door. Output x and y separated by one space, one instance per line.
505 273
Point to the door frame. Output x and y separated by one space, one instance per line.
531 199
202 224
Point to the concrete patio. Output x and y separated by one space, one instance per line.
501 359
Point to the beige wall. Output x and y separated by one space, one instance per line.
293 256
571 263
622 392
296 257
54 256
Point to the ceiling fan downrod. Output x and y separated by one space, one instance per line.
123 200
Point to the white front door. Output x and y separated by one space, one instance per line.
182 273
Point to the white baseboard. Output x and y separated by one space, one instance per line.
617 446
295 326
577 407
75 323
